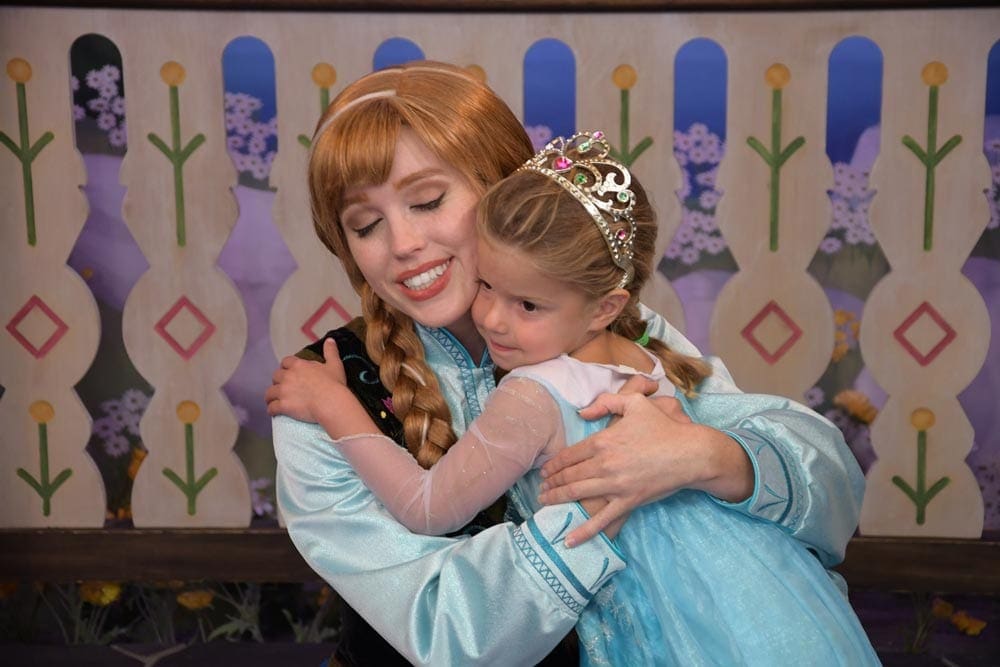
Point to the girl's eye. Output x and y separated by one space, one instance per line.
528 306
430 205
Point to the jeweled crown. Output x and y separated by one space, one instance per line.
600 183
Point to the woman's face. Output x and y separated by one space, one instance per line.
414 236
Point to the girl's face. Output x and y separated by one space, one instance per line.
525 316
414 238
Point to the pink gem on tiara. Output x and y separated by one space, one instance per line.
598 135
562 163
621 234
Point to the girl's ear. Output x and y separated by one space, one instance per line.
608 308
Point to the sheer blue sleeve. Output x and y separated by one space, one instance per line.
507 595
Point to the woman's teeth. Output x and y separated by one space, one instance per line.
424 280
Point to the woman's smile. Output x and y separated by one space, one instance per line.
426 281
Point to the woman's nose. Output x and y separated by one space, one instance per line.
406 236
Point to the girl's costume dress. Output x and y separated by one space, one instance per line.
508 594
704 586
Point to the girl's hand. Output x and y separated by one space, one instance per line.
651 452
298 384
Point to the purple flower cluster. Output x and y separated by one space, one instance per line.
992 150
698 152
252 144
850 200
119 424
107 107
539 135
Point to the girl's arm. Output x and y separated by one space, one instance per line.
519 422
507 595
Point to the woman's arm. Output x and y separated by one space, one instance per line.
505 596
518 423
774 443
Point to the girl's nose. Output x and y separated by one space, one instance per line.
494 319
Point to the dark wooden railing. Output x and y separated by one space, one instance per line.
267 555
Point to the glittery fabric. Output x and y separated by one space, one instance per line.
705 585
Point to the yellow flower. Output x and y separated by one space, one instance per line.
942 608
42 412
842 317
19 70
934 73
857 405
478 72
840 351
195 600
323 75
624 77
138 454
172 73
777 76
188 412
922 419
324 595
840 336
970 625
100 593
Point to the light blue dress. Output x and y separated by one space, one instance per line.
704 585
509 594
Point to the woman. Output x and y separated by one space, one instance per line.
399 162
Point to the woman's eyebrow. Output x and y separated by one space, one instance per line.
417 176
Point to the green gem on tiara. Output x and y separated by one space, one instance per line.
580 179
623 196
584 146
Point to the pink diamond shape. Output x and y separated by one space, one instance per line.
206 332
48 343
329 304
921 310
794 332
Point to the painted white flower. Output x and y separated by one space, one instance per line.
117 445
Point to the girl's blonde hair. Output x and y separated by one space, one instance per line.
537 216
464 124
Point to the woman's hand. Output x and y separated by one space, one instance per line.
651 452
298 384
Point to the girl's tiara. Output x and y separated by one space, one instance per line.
600 183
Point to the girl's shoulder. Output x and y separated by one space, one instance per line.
577 382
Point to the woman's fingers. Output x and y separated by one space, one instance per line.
568 492
568 456
614 511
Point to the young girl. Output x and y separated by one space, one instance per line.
566 244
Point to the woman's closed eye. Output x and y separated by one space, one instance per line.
430 205
367 229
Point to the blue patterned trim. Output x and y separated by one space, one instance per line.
545 572
463 361
554 557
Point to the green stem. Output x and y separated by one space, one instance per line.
189 454
29 186
43 455
324 99
775 169
624 122
175 135
932 113
921 476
